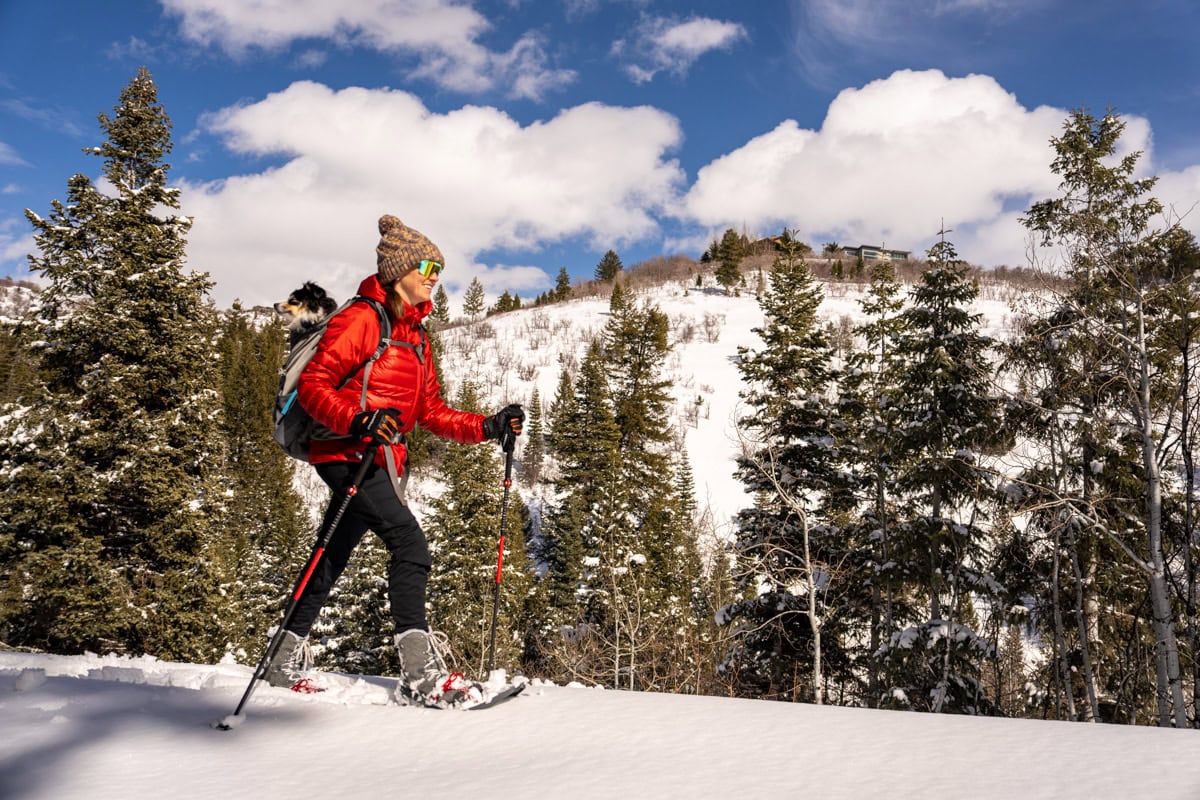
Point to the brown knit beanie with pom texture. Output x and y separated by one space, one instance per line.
401 249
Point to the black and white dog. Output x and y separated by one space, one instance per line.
304 308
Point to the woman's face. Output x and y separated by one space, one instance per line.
415 288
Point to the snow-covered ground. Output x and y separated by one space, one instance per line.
101 728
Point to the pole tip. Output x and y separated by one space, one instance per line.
228 722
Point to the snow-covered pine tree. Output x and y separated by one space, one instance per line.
1123 285
18 373
267 536
558 547
534 452
562 416
869 390
786 544
113 498
949 418
682 652
583 441
635 348
643 544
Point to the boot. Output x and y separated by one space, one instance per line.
424 676
291 661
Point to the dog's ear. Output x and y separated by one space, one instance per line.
313 289
328 304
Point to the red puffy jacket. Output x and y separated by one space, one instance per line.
398 380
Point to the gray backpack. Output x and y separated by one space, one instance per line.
294 428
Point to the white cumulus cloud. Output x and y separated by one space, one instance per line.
1180 196
441 35
472 180
890 162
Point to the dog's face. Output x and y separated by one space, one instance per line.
306 305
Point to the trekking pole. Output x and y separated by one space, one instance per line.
508 442
234 719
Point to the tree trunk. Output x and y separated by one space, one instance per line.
814 619
879 621
935 581
1060 644
1189 511
1092 712
1170 688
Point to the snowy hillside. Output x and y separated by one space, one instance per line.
16 300
86 727
507 354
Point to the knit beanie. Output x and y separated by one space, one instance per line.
401 249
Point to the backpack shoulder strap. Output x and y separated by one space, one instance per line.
418 349
385 333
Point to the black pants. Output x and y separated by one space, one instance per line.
376 507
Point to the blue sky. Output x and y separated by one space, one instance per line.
527 136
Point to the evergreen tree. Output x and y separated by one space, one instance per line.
635 348
729 255
18 373
950 417
562 414
439 317
557 548
785 543
1116 314
584 441
609 267
267 533
113 498
644 533
473 301
562 285
504 303
534 453
869 394
617 301
677 600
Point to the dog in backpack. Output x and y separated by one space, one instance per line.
303 309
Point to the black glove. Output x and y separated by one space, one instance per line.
382 424
508 420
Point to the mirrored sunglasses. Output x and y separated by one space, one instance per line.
428 268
